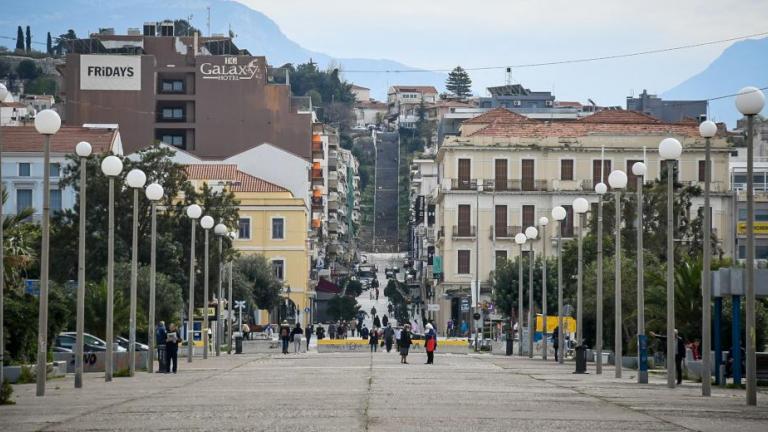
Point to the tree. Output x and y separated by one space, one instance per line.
182 27
354 288
505 280
29 41
41 85
49 44
459 83
169 297
62 40
19 40
96 310
20 238
256 281
28 70
343 308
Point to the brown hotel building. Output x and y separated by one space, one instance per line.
202 94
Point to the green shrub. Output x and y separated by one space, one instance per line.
122 373
27 375
5 393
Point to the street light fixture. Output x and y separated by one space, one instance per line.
520 239
111 166
531 233
750 102
232 236
83 150
559 214
193 212
601 189
580 207
47 122
221 231
618 181
707 130
639 170
135 180
670 149
3 95
154 193
543 222
207 223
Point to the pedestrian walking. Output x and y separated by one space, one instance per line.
398 333
390 309
384 321
332 330
389 335
172 341
285 336
364 332
160 336
246 331
376 321
449 328
430 343
296 336
308 334
374 339
405 344
320 332
679 353
377 294
464 328
555 342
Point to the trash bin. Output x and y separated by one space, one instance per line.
509 347
239 343
162 364
581 359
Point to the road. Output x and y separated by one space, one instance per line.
365 392
386 215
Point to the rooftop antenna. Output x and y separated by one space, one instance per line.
189 23
508 77
209 21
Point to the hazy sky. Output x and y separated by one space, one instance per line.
444 33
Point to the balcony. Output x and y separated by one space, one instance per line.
502 185
464 184
317 145
504 232
333 159
440 234
333 179
333 225
464 231
317 176
317 203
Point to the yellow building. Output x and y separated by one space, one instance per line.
273 223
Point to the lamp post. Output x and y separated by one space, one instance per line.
639 170
531 233
707 130
543 222
618 181
111 166
559 214
580 207
221 231
207 223
47 122
750 102
135 180
193 212
83 150
232 236
520 239
3 95
154 193
670 149
601 189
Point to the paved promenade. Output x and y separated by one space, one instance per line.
360 392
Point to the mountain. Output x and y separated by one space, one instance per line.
742 64
255 32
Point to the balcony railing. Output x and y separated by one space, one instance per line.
464 231
504 232
464 184
515 185
317 202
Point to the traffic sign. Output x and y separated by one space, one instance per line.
240 304
465 305
306 310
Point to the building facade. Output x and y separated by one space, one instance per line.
667 110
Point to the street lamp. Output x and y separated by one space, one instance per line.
83 150
3 95
47 122
670 149
135 180
111 166
193 212
750 102
221 231
520 239
531 233
543 222
559 214
639 170
207 223
618 181
580 207
154 193
707 130
232 236
601 189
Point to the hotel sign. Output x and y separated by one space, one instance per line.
110 72
231 70
760 228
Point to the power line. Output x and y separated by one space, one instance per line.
570 61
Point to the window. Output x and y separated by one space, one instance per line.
278 232
244 229
566 169
172 86
529 214
174 140
566 227
465 229
527 174
278 268
24 169
464 174
501 221
173 114
703 170
463 262
500 174
501 257
23 199
631 178
55 170
56 199
599 176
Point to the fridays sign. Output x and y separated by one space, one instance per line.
110 72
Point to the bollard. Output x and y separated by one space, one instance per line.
581 359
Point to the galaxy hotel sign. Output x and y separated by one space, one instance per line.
231 70
110 72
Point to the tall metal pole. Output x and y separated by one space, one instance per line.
108 360
617 336
152 289
599 311
42 329
229 313
706 299
642 342
531 325
671 341
134 282
206 302
520 286
2 259
580 279
544 291
749 328
561 330
477 257
191 307
219 334
80 320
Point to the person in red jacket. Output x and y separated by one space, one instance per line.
430 343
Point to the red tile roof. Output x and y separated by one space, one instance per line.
240 181
539 129
25 139
502 115
620 116
415 89
248 183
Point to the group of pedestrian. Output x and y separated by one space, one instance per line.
169 339
338 330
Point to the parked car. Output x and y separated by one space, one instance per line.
125 343
90 342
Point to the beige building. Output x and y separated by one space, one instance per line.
505 171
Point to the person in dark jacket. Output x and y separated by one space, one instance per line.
285 336
376 321
389 336
405 343
296 335
430 343
172 341
679 353
364 332
373 341
320 332
384 320
308 334
556 342
160 333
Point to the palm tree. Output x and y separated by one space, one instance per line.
18 237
